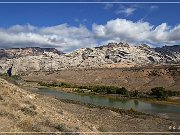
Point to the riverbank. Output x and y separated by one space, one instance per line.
83 89
171 101
164 110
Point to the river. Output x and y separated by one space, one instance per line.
165 110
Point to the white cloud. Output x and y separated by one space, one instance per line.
135 32
127 11
153 7
63 37
67 38
81 21
22 28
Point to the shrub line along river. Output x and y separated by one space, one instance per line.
166 110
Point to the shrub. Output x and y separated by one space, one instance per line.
159 92
122 91
65 85
132 110
105 89
135 93
109 90
54 84
28 111
98 89
79 90
173 93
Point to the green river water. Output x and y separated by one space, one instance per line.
165 110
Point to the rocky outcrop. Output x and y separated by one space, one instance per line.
111 55
28 51
171 53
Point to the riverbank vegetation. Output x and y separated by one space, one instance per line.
158 93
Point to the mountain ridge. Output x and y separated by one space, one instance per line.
107 56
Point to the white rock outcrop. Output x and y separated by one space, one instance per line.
111 55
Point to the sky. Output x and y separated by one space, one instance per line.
68 27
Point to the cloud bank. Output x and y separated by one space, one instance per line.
67 38
136 32
62 37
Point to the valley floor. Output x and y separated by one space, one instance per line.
25 111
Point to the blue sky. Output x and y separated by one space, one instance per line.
54 14
72 26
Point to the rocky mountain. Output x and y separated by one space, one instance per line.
171 53
28 51
111 55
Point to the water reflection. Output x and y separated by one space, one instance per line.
160 106
136 103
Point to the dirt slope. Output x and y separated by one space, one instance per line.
141 79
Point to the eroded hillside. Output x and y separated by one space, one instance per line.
139 78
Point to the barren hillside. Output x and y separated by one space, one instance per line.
141 79
23 111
